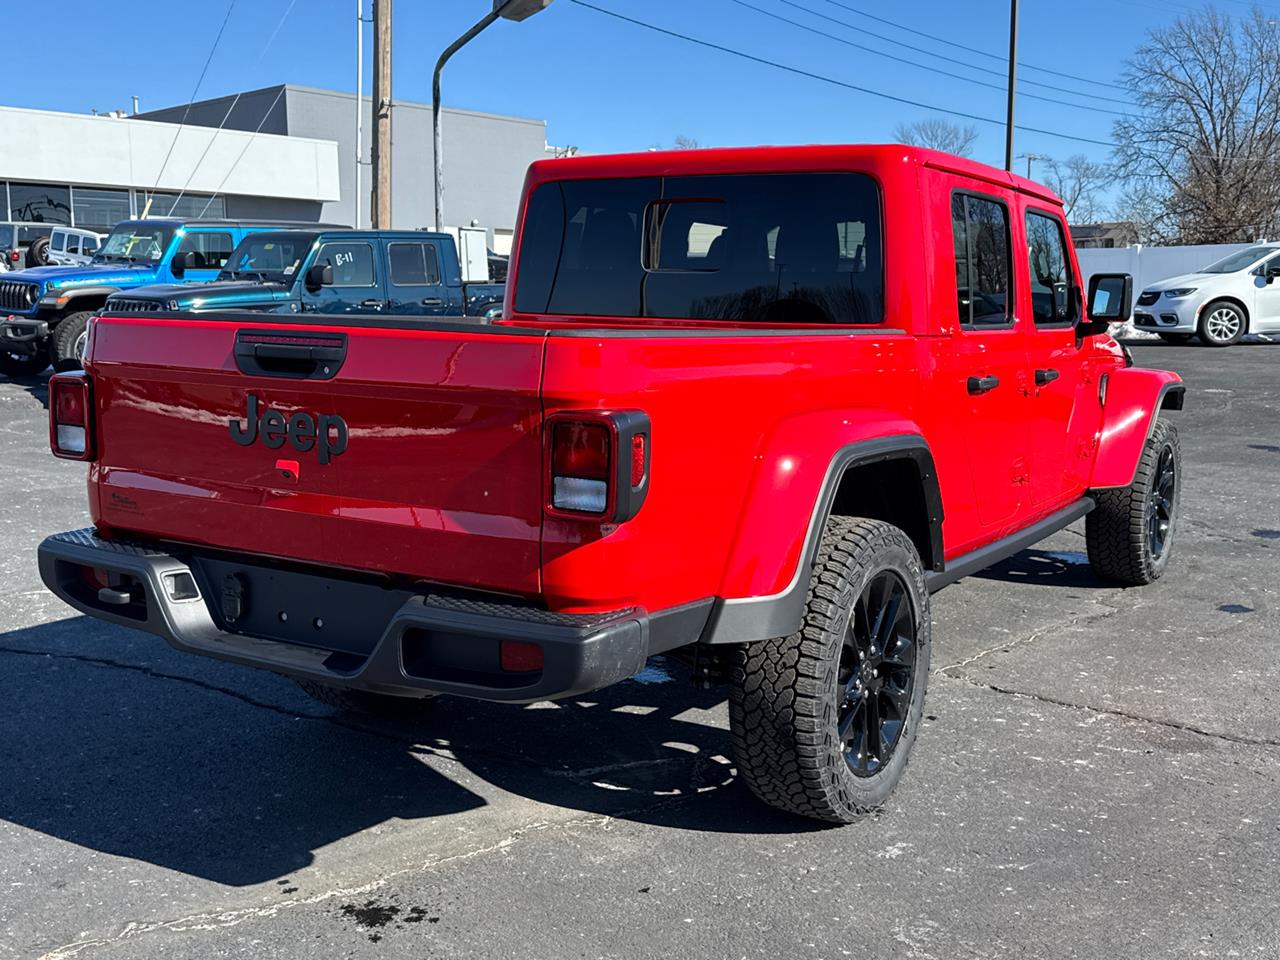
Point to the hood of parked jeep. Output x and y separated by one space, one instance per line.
223 294
70 277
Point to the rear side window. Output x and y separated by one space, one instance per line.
1051 278
413 264
762 248
980 227
89 245
211 249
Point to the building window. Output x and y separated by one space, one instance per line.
186 205
99 210
39 203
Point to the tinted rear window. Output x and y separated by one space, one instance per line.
767 248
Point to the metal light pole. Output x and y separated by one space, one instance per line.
360 22
507 9
1013 74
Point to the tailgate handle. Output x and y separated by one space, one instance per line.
262 353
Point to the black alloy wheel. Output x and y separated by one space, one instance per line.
1160 506
877 673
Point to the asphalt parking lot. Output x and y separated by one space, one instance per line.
1097 778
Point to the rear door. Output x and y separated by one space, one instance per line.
415 284
357 278
1064 412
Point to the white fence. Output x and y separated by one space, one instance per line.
1148 265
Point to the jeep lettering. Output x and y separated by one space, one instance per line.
300 429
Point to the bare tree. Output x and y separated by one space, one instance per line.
1200 157
687 143
1080 182
938 134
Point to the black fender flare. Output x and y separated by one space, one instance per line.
747 619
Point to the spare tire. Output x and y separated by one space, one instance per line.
38 253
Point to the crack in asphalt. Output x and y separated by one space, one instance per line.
1114 712
1108 610
223 919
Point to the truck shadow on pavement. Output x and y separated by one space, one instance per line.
111 741
1055 568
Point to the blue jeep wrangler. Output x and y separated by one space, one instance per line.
48 308
401 272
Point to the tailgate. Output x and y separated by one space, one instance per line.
417 453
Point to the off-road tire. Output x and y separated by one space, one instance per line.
1208 334
362 701
1177 339
18 366
786 693
1117 531
62 342
38 253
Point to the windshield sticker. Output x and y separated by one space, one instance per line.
288 271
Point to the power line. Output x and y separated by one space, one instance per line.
831 80
227 116
961 46
924 66
209 59
930 53
244 150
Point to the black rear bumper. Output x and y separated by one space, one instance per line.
416 643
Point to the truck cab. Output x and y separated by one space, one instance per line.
407 273
46 310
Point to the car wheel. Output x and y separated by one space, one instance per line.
1129 534
21 365
38 253
1222 323
823 721
67 342
362 701
1176 338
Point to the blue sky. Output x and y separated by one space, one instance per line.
606 85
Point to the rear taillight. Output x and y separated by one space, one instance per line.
580 454
71 416
14 255
599 464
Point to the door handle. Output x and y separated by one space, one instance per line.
431 301
371 304
1046 376
982 384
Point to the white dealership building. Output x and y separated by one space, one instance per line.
283 152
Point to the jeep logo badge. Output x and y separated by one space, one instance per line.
327 434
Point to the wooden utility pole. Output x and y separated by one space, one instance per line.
380 214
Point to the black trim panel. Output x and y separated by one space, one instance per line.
992 553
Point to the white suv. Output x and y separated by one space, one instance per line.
1224 301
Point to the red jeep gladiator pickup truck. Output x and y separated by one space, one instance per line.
747 407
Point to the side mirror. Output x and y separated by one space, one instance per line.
182 262
1110 301
319 275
